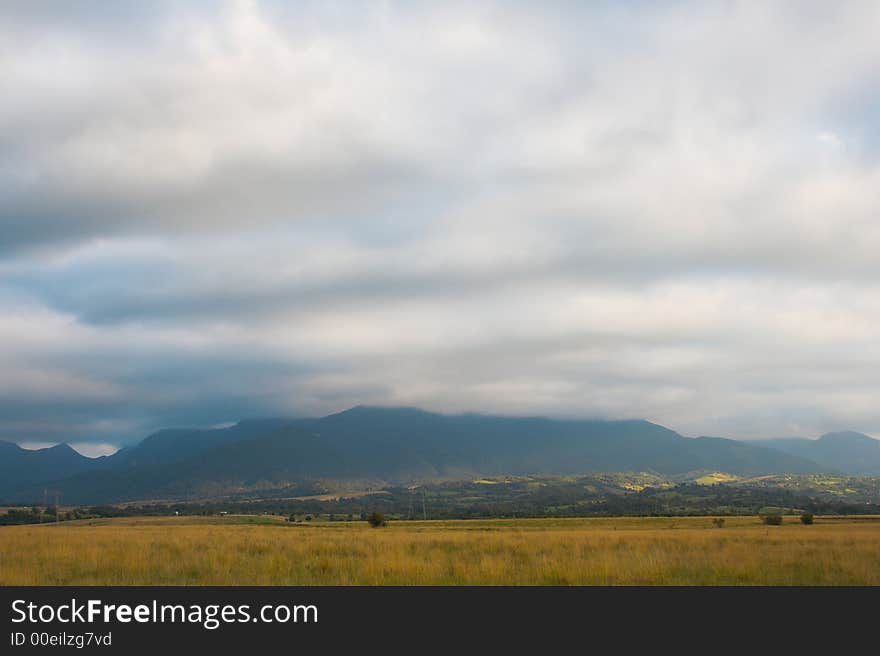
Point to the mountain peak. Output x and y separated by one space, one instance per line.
361 410
390 408
62 447
851 437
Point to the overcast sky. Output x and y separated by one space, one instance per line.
217 210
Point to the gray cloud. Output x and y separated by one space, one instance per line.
639 209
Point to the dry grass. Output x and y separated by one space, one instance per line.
620 551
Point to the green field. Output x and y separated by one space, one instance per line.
263 550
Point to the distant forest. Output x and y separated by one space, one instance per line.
599 495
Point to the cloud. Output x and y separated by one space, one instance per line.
640 209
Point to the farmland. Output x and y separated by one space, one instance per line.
265 550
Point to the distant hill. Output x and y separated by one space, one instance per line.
848 451
395 445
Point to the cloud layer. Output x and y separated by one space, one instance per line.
617 210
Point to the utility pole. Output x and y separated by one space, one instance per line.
57 508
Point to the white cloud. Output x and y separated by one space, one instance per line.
652 210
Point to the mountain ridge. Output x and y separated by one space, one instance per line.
399 445
846 451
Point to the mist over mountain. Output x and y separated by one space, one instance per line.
402 445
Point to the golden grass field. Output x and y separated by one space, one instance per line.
606 551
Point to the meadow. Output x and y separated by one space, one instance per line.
596 551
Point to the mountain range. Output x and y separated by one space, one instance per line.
402 445
847 451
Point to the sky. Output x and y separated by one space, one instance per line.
211 211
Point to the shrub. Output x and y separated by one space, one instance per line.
772 520
807 518
718 522
376 519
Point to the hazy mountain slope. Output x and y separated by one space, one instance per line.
286 454
748 458
848 451
177 445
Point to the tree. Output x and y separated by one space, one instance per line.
376 519
807 518
772 520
